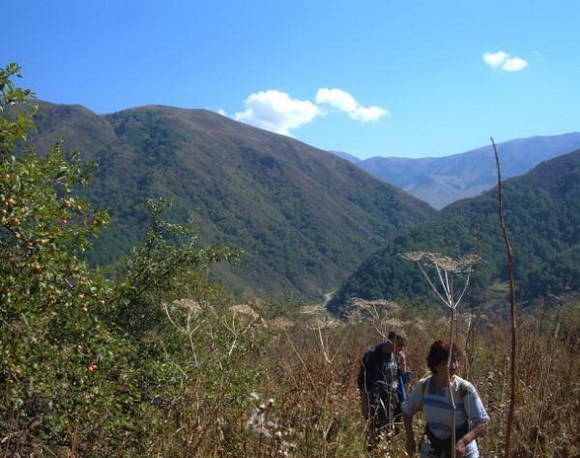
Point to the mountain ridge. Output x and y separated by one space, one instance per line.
443 180
303 217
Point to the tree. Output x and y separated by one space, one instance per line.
73 367
53 339
169 265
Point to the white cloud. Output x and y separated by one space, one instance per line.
338 98
276 111
343 101
514 64
504 61
495 59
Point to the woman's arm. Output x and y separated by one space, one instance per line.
477 415
476 432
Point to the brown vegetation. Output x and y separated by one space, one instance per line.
304 400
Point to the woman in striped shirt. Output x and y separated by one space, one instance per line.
431 395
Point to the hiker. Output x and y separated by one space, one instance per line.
381 382
431 395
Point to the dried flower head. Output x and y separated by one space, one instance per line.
313 309
326 323
244 309
188 305
281 323
456 265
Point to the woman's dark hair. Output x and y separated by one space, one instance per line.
439 351
397 334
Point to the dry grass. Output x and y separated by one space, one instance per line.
304 401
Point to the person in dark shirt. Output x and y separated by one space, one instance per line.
381 382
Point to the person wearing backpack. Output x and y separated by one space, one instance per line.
431 395
381 381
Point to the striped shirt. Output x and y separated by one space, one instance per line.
436 405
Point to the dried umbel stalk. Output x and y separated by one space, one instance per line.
184 315
446 267
321 321
380 313
243 317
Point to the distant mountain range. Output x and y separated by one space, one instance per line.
542 212
443 180
304 218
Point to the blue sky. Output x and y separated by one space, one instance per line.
372 78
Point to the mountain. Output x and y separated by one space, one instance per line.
346 156
542 213
443 180
304 218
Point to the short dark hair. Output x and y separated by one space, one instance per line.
397 334
439 351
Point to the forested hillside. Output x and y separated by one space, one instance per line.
542 212
304 218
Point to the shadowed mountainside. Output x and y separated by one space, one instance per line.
542 213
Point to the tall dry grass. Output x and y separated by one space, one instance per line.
289 387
